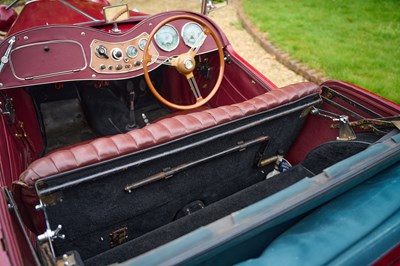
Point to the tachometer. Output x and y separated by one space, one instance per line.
192 34
167 38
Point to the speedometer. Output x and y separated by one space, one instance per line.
192 34
167 38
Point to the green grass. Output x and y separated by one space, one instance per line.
356 41
5 2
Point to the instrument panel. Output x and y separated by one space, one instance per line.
60 53
120 57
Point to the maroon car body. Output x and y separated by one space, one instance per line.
52 54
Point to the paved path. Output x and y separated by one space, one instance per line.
242 42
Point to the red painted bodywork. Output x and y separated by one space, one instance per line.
39 13
392 258
7 18
15 252
307 138
38 24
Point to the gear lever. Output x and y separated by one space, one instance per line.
132 120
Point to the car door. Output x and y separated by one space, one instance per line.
15 248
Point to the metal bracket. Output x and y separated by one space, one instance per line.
8 109
345 130
208 6
67 260
118 237
50 235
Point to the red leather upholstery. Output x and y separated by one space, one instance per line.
162 131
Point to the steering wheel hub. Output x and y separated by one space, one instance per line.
185 64
189 64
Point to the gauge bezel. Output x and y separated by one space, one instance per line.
164 48
113 50
127 54
183 30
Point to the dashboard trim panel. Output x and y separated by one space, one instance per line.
50 74
110 64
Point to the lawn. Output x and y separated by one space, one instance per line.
357 41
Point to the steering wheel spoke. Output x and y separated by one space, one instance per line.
168 60
198 43
194 87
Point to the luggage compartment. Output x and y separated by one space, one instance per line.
145 199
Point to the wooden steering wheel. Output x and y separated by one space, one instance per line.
185 64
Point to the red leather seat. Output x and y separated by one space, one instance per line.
162 131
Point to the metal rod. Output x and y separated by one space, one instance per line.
204 7
12 4
342 108
78 10
172 171
267 161
349 101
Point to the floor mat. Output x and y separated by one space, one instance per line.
64 123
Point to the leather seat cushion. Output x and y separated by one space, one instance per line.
162 131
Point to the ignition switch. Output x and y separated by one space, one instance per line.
101 51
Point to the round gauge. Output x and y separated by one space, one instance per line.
167 38
131 51
192 34
142 43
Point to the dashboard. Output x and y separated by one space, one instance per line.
122 57
58 53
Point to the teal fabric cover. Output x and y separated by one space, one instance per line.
339 232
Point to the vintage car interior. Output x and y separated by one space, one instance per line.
127 135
